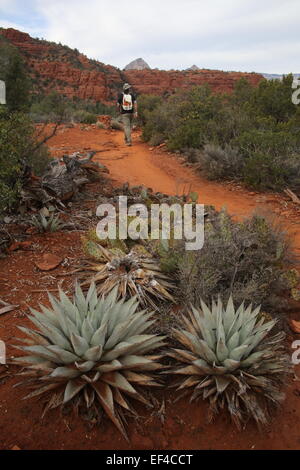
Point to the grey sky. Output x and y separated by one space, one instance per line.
245 35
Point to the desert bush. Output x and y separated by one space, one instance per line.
271 159
246 259
273 98
56 107
84 117
50 108
38 160
18 150
147 103
13 72
252 135
185 119
156 139
218 163
192 155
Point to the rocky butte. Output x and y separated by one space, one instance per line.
137 64
56 67
193 68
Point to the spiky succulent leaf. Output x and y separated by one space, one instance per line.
95 350
47 224
229 359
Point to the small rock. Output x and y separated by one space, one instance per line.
7 220
15 448
295 326
20 246
48 262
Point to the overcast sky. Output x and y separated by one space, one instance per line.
242 35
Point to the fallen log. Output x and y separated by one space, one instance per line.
62 179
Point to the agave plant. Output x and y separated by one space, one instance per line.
47 224
92 352
232 361
133 274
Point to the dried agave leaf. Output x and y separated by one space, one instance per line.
132 274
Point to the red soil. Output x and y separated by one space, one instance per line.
184 426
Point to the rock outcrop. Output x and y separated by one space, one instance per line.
138 64
56 67
193 68
164 82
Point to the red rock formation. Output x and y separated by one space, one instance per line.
160 81
57 67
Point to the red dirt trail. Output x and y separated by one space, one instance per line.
184 426
163 171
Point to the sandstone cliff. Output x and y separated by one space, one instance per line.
56 67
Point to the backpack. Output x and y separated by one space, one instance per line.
127 103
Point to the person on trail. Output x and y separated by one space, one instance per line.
128 108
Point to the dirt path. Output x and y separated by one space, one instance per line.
184 426
162 171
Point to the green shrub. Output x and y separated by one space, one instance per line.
18 150
13 72
252 135
272 159
84 117
273 98
147 103
50 108
56 107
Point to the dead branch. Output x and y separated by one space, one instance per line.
62 179
292 195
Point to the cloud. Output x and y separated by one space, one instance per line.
233 35
21 15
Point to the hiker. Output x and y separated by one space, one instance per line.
128 108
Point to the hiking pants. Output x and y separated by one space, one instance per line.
127 122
